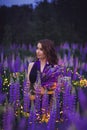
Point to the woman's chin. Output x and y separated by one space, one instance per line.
39 57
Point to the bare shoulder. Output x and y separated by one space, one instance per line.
29 69
30 65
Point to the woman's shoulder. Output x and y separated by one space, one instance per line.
31 64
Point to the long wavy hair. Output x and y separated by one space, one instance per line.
49 51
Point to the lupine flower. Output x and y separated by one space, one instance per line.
53 112
11 91
2 98
32 117
26 98
82 100
17 64
22 124
17 93
8 118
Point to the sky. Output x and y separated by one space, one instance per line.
17 2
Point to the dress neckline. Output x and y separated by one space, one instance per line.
47 63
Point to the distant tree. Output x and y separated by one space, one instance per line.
59 20
7 37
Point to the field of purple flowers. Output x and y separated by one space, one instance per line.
14 96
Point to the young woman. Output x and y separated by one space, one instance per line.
46 65
44 73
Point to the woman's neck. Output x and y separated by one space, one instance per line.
43 61
42 64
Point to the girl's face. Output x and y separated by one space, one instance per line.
40 52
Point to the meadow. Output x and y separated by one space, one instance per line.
14 96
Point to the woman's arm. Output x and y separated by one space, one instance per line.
29 69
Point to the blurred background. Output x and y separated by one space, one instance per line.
30 20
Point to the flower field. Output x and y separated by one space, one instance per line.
70 102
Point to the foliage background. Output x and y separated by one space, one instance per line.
59 20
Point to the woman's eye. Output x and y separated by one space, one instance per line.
39 48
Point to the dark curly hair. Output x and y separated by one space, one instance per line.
49 50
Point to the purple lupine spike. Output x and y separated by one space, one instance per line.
1 69
25 65
38 105
72 102
65 60
37 87
75 62
57 95
66 46
1 83
60 61
24 47
13 63
45 105
83 123
26 103
17 93
53 112
68 102
67 98
8 118
10 64
69 73
82 99
69 54
11 91
65 71
22 124
65 104
32 48
85 67
2 97
74 75
17 64
22 67
5 63
26 97
32 117
79 122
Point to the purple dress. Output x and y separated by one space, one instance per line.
48 76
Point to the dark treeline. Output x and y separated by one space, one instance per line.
60 20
